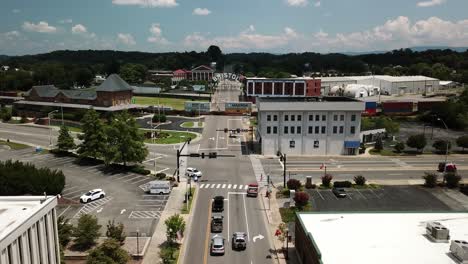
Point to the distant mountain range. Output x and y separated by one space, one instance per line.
4 57
416 49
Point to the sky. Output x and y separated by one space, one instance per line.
276 26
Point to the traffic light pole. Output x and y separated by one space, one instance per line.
283 159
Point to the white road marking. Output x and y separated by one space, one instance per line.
217 186
64 211
320 194
229 186
224 186
99 210
246 219
213 186
259 236
235 186
201 186
246 186
123 211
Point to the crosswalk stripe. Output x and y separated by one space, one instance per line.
201 186
229 186
224 186
246 187
213 186
235 186
240 187
219 185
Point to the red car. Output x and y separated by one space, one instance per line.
252 190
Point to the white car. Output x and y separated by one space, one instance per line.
193 172
92 195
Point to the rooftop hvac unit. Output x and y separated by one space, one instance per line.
459 248
437 232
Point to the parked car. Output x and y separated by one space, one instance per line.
217 224
218 204
239 241
447 167
217 246
92 195
339 192
252 190
193 172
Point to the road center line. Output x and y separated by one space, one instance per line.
207 235
246 220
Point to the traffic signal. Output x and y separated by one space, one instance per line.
225 130
194 155
212 155
203 155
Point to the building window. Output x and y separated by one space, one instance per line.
285 130
317 118
292 130
317 129
335 117
311 118
316 144
268 117
341 129
299 118
310 129
353 130
293 118
341 117
353 117
292 144
275 118
286 118
324 130
275 130
324 118
268 130
335 129
298 130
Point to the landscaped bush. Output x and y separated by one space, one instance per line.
170 178
140 170
301 199
310 186
159 118
464 189
286 192
326 180
430 179
160 176
342 184
360 180
452 179
17 178
293 184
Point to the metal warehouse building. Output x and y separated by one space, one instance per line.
309 125
400 85
28 230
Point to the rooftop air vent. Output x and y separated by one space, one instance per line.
437 232
459 248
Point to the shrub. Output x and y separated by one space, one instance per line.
360 180
115 231
140 170
399 147
86 232
441 145
159 118
65 231
293 184
160 176
285 192
5 114
310 186
174 224
463 142
326 180
342 184
417 141
24 119
170 178
464 189
378 144
452 179
108 252
301 199
430 179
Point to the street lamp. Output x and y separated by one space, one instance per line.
138 242
446 142
50 128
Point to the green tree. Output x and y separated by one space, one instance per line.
159 118
109 252
65 231
93 137
214 53
125 141
452 179
430 179
417 141
360 180
399 147
326 180
5 114
390 126
133 73
462 142
378 144
301 199
86 232
441 145
65 141
83 76
174 224
115 231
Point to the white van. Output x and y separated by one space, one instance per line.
159 187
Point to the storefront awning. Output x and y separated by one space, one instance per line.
352 144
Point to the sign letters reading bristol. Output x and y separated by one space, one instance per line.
217 77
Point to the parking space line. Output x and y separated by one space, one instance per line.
135 182
89 207
116 176
129 175
334 196
320 194
82 189
361 194
135 177
374 193
69 188
64 211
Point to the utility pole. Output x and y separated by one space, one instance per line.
283 159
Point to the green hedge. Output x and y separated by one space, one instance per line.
17 178
342 184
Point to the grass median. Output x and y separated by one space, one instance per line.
188 207
13 145
171 137
175 103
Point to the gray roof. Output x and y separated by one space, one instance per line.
45 90
77 94
114 83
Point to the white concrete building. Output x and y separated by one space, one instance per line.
384 238
28 230
309 125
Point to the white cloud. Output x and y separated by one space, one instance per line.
147 3
79 29
297 2
41 27
16 11
126 39
156 35
12 34
201 11
431 3
317 4
66 21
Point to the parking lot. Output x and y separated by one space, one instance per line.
387 198
125 200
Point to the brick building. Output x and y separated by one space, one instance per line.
284 87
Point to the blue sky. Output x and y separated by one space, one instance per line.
37 26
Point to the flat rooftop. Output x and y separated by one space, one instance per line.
307 99
384 238
15 210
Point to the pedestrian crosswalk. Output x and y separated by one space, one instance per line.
224 186
90 207
145 214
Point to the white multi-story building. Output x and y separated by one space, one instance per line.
28 230
309 125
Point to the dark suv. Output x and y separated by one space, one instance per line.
218 204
